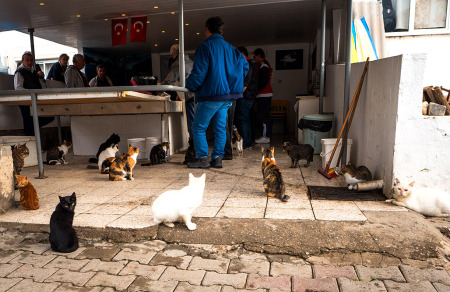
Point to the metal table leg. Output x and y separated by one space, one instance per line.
58 120
37 134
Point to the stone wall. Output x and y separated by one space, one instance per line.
6 178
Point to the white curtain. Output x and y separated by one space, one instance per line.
401 8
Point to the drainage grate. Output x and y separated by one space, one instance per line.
343 194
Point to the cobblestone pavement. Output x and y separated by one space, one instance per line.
28 264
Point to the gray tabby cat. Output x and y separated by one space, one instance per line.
19 152
298 152
355 175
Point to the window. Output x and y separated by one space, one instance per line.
408 17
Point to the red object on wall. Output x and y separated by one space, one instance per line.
119 31
138 29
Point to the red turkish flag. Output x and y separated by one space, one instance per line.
119 31
138 29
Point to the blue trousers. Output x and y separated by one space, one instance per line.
243 121
206 112
190 110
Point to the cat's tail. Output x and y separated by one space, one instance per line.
51 162
92 166
93 160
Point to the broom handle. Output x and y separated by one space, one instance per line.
340 133
357 93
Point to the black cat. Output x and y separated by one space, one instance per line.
158 154
112 140
63 237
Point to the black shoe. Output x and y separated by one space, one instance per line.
217 162
227 157
201 162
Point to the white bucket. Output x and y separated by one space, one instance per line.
139 143
327 148
150 142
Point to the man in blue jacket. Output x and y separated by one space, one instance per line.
217 78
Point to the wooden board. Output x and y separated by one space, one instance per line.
88 97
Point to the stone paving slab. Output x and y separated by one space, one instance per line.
415 275
144 284
173 274
305 285
441 287
347 285
320 271
234 280
390 273
67 276
116 282
255 281
219 266
150 272
407 287
239 266
6 269
28 285
288 269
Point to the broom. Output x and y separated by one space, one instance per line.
330 173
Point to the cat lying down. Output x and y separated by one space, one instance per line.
426 201
175 204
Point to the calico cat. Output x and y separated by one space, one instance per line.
112 140
122 167
63 237
103 162
158 154
28 195
426 201
298 152
57 154
19 152
273 181
175 204
237 142
355 175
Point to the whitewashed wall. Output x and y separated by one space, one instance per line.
436 49
390 135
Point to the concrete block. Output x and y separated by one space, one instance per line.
304 285
6 178
281 282
415 275
235 280
435 109
31 160
117 282
405 287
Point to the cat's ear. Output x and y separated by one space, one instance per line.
61 198
191 176
397 181
74 196
411 184
203 176
262 149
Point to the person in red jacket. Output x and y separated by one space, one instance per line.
264 96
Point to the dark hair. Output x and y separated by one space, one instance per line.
259 52
27 53
243 50
215 25
63 56
100 67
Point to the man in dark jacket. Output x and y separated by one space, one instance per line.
244 105
217 78
59 68
28 76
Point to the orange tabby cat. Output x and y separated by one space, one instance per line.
122 167
28 195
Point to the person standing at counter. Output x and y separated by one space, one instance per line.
217 78
27 78
59 68
101 80
73 76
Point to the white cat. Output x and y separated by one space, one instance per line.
175 204
108 152
429 202
237 141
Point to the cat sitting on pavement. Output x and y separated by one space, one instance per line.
237 142
355 175
426 201
175 204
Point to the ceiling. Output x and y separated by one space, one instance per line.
247 22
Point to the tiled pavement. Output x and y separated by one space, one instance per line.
28 264
234 191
